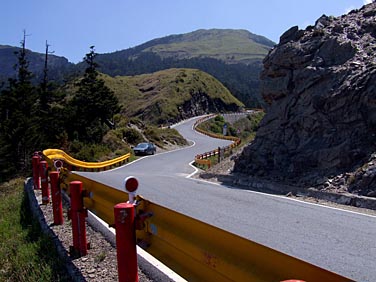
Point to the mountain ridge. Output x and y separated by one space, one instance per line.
58 66
222 39
232 56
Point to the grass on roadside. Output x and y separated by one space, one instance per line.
244 128
26 254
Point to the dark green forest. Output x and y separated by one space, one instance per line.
38 116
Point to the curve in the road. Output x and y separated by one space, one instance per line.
333 239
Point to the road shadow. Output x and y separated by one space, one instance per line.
245 182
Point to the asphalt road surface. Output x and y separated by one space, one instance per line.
340 241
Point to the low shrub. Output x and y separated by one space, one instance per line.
161 136
90 152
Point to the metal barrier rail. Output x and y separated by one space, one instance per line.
215 152
196 250
201 252
56 154
100 199
199 159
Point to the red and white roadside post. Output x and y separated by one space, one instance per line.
130 186
78 215
35 163
43 172
57 205
125 225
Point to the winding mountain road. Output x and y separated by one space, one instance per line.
334 239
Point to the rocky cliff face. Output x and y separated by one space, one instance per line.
201 103
320 84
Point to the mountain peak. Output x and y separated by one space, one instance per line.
228 45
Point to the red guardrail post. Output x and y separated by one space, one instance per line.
126 242
35 162
43 172
78 214
57 205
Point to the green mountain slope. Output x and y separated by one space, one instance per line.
234 57
229 46
168 96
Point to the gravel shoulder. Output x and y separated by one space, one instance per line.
100 264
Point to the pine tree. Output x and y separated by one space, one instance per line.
49 109
94 103
18 128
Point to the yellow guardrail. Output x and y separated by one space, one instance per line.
214 135
100 198
196 250
56 154
231 138
200 159
201 252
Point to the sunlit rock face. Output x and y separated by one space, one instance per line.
320 85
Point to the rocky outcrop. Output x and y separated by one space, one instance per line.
201 103
320 85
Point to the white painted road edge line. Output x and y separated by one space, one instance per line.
146 262
277 196
167 152
195 168
324 206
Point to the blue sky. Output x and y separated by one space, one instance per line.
72 26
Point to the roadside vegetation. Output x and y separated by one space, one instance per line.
25 253
244 128
160 97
